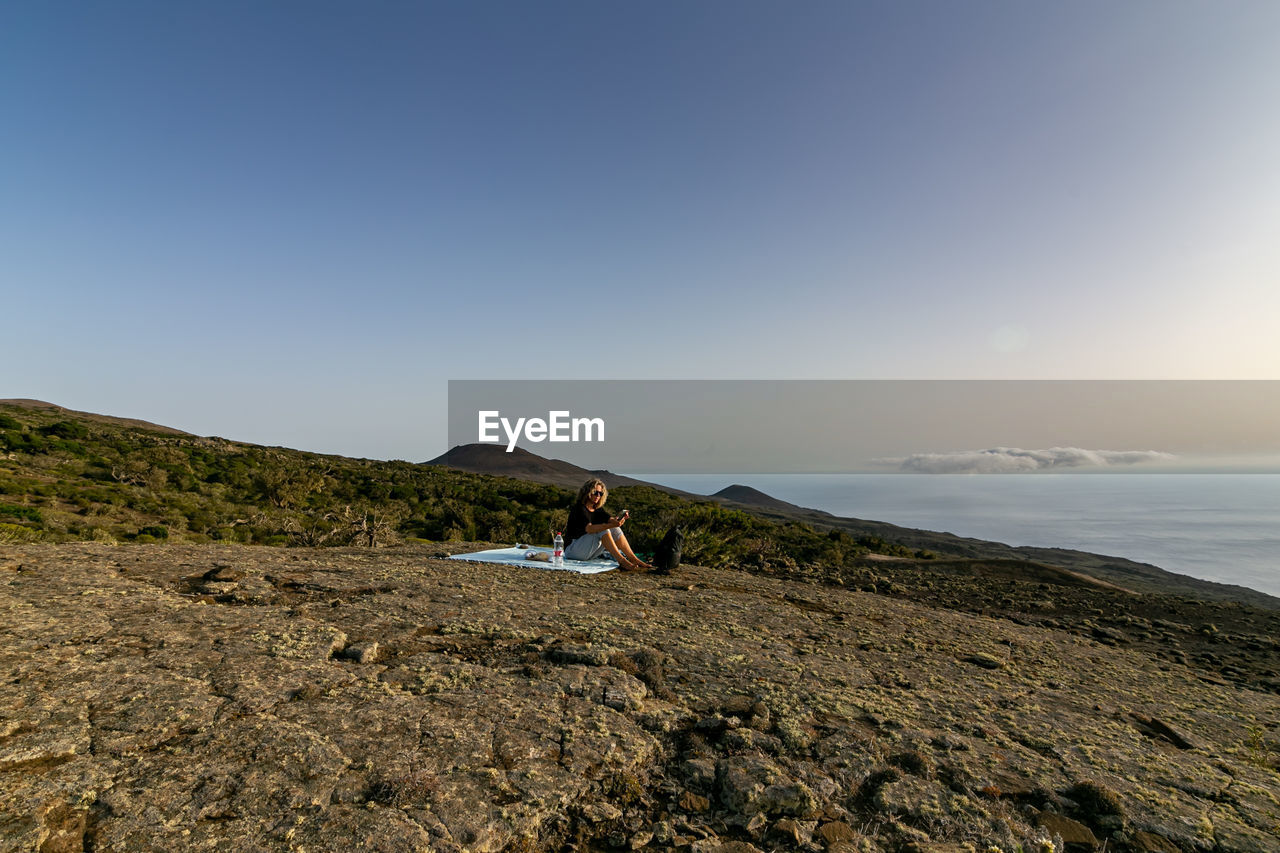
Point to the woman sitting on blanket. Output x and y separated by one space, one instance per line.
591 530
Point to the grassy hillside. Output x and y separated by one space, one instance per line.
67 476
74 476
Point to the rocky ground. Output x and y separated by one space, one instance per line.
161 698
1233 641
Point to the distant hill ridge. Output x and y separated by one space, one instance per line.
42 406
494 460
747 496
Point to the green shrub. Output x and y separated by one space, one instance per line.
7 422
17 533
99 534
25 513
65 429
75 448
404 493
154 531
24 442
201 520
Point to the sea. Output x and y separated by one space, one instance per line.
1217 527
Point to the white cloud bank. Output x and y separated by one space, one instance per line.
1013 460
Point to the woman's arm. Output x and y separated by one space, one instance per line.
602 520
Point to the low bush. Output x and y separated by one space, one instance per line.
17 533
23 442
23 513
65 429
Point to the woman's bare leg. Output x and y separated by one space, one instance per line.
625 546
610 543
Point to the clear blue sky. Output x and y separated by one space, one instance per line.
292 222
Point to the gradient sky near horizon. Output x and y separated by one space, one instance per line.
291 223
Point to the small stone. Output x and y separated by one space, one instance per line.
794 799
1106 634
662 832
747 740
712 726
361 652
793 831
615 699
1076 837
601 812
1154 728
699 773
837 830
749 783
984 660
222 574
691 802
1149 842
587 654
640 839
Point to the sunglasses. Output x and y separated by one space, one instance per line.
597 493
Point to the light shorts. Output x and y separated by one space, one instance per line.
587 546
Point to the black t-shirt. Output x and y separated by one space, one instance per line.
578 521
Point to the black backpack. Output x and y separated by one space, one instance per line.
667 557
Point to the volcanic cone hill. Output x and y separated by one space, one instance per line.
747 496
523 465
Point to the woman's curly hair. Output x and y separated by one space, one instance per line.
588 487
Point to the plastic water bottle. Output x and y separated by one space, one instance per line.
557 557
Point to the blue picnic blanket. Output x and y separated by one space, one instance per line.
517 557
